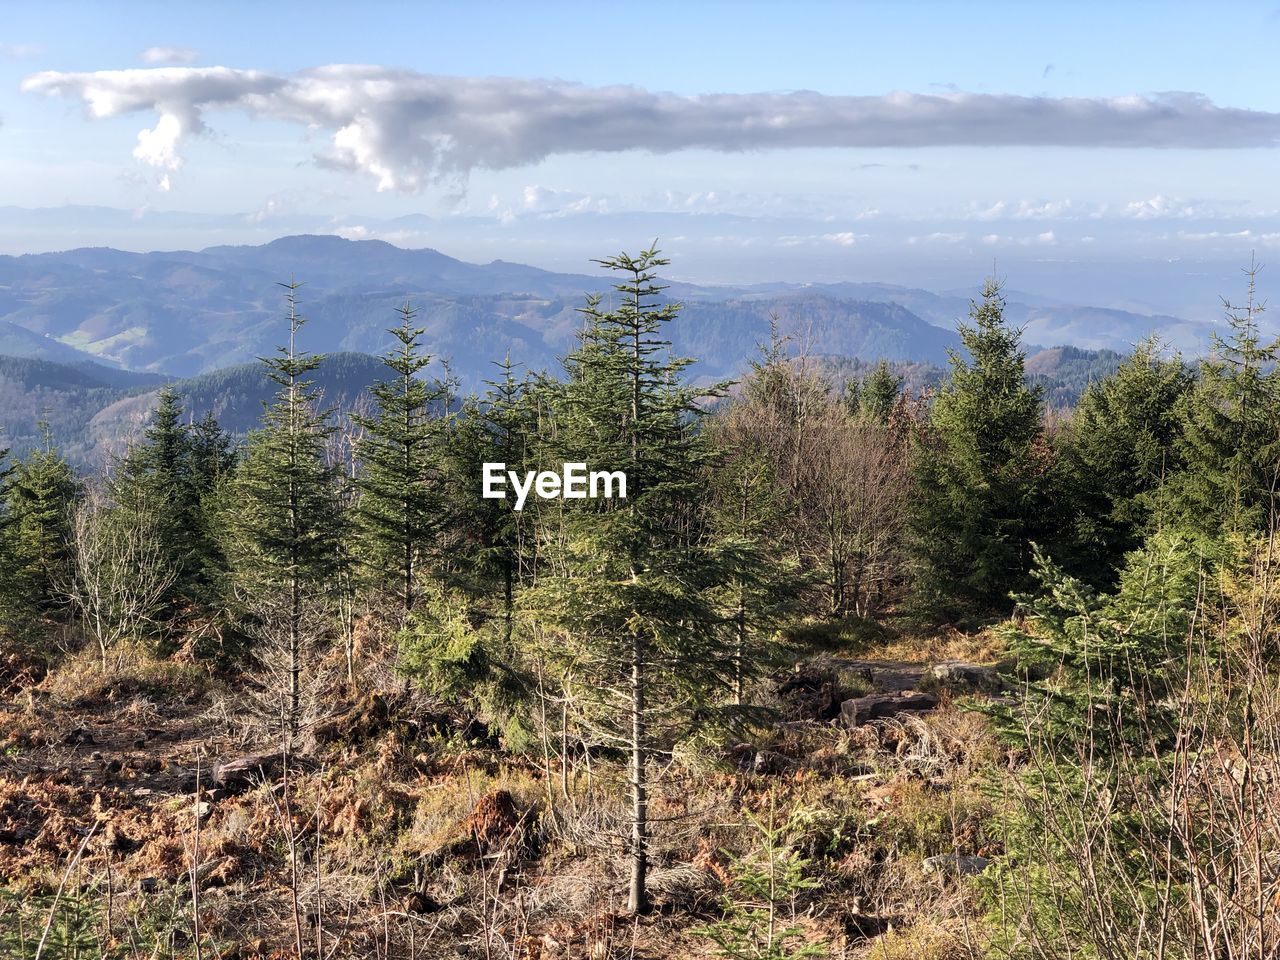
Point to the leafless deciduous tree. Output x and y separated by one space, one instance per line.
121 572
844 478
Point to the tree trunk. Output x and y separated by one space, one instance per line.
637 901
295 656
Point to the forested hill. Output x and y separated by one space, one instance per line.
92 409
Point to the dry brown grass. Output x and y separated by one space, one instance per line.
986 646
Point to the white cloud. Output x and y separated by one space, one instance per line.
1161 207
845 238
1253 236
169 55
938 237
409 129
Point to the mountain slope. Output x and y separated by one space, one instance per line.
184 312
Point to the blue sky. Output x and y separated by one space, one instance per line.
784 205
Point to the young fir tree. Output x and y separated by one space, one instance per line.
980 470
156 479
399 505
12 602
747 510
464 639
879 393
632 589
41 495
1230 445
213 456
1119 449
285 521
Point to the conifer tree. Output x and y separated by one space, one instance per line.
1120 447
980 470
398 512
212 454
285 515
464 639
764 582
42 494
12 602
1230 446
155 478
879 392
506 419
632 594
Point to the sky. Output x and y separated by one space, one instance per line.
798 141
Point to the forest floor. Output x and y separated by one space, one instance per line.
141 792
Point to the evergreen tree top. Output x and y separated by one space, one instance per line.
291 364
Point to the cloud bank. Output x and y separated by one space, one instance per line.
409 129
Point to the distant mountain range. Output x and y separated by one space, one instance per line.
92 411
183 313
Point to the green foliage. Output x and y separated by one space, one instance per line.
879 392
1120 447
167 481
760 904
285 516
765 583
1107 659
631 599
980 471
1231 438
634 590
74 924
287 525
41 495
398 514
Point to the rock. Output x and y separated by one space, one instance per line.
237 776
877 706
958 864
961 673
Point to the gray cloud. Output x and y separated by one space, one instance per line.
408 129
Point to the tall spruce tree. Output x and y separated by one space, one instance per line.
285 516
399 507
980 471
632 589
1230 445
